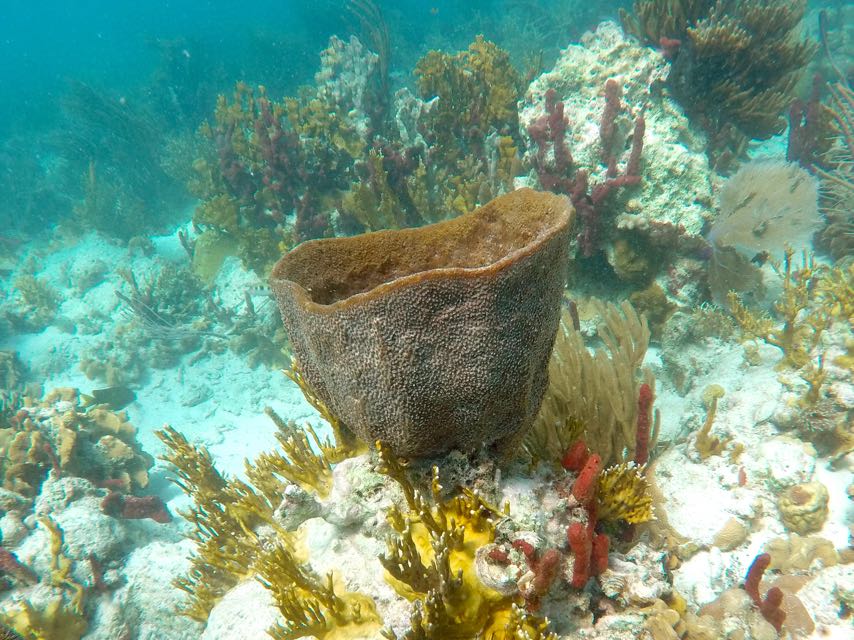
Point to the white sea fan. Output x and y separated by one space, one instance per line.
766 206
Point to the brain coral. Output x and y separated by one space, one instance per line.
436 337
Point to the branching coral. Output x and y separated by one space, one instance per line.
225 514
803 321
597 392
311 606
735 62
298 463
229 516
61 618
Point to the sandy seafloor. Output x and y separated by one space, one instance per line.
218 401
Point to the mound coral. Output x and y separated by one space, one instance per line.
432 338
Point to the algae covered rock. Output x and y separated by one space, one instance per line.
675 195
437 337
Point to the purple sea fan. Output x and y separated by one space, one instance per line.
764 207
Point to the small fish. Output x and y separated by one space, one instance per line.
115 398
760 258
260 291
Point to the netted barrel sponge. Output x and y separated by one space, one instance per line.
437 337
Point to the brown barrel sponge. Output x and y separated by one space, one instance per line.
437 337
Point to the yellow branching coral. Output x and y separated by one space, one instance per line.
346 444
60 566
58 620
225 515
54 621
297 463
431 561
623 494
311 606
801 320
229 516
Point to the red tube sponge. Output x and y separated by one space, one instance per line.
575 457
585 485
770 606
644 424
582 546
599 553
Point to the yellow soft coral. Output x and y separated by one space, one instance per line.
431 561
59 619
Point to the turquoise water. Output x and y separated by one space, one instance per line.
263 268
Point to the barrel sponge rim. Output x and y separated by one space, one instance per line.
524 219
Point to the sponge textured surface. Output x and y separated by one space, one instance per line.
437 337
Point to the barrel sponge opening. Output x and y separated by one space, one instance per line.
436 337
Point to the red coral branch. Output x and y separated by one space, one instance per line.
770 606
585 485
644 424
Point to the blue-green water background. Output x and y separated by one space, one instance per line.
120 45
166 62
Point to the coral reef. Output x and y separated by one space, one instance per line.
734 63
424 326
669 204
57 434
